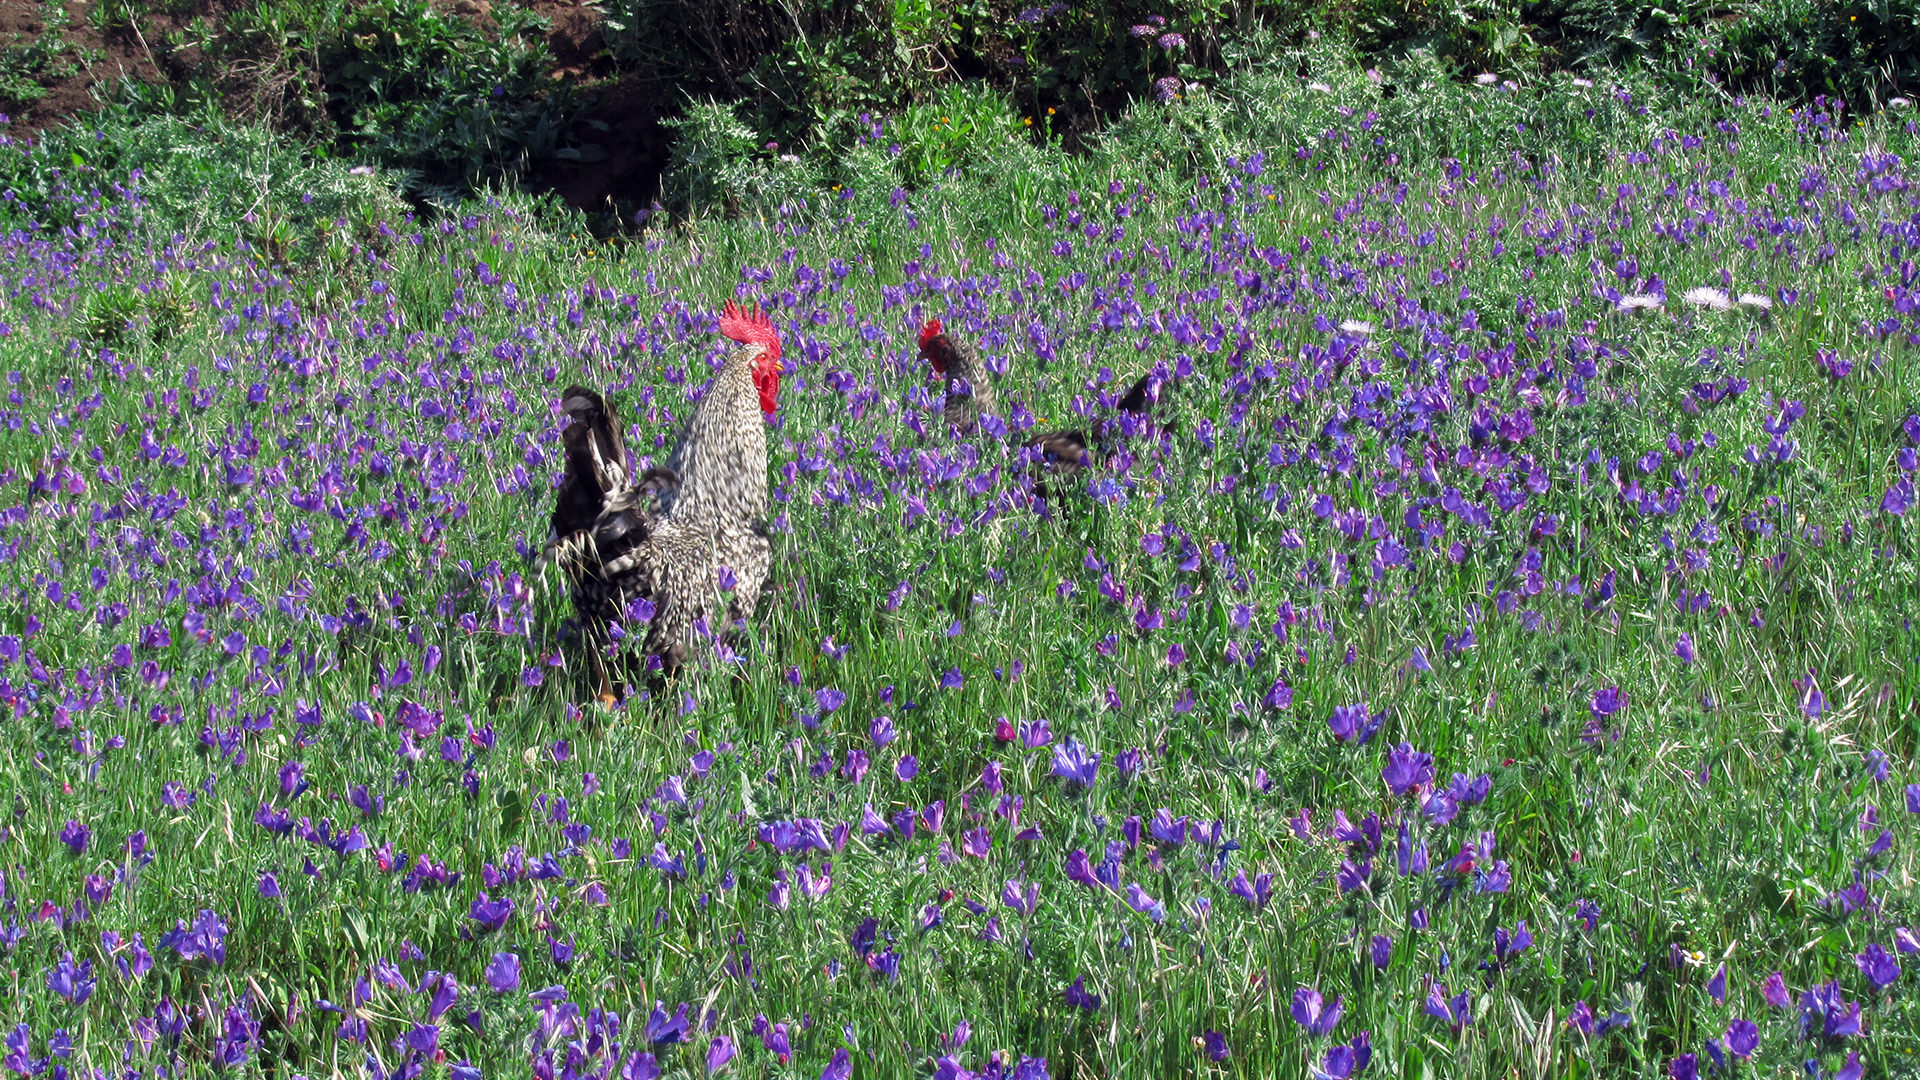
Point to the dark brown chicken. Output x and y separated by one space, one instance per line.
678 545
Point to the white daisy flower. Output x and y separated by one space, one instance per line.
1320 87
1638 302
1710 298
1757 301
1486 78
1355 326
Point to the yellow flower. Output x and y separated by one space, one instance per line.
1049 110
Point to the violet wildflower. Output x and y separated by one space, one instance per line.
1878 965
1742 1038
503 973
1455 1010
74 982
1215 1045
1606 701
76 836
1311 1011
1075 764
1774 991
1407 770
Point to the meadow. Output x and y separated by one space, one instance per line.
1503 665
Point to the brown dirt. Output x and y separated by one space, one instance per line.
92 61
618 126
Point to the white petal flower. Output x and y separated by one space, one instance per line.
1710 298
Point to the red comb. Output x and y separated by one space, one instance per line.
931 330
751 327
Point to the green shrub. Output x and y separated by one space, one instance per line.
718 163
1860 52
197 178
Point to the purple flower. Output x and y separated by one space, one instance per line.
1717 986
1215 1045
1312 1012
1138 900
1257 893
1743 1038
1382 951
1346 1059
1167 87
1075 764
662 1030
1878 965
1354 875
206 940
1407 770
1683 648
719 1054
1607 701
1774 990
1456 1010
1837 1016
1684 1067
1079 998
1508 946
1350 724
489 913
75 836
840 1068
503 973
72 981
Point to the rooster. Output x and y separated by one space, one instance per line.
675 537
1057 454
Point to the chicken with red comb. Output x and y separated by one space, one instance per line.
684 545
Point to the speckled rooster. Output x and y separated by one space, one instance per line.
1058 454
666 546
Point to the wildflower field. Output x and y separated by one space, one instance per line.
1502 664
